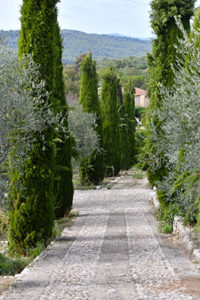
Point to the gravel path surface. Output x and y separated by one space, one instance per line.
114 251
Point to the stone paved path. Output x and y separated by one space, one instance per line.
113 251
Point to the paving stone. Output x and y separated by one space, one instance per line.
112 252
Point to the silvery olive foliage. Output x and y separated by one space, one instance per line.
180 113
24 112
82 127
179 119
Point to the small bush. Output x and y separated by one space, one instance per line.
62 223
10 266
166 214
165 227
34 252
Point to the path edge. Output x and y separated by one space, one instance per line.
184 234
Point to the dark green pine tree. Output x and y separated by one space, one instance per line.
63 186
163 55
110 122
91 168
129 105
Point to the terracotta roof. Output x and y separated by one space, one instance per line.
140 92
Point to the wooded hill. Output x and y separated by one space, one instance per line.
127 67
76 42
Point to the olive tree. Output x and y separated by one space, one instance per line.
24 115
164 54
82 126
179 135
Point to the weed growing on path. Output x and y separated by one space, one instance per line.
164 227
64 222
137 173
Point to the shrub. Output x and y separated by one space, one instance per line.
9 266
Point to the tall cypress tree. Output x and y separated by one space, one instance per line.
32 211
129 105
160 71
63 186
91 168
110 122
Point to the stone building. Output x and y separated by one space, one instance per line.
141 98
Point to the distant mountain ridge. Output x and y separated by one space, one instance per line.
119 35
101 45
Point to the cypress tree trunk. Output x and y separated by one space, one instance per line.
124 139
91 168
123 130
129 105
110 122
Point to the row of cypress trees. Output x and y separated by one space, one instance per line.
45 188
115 122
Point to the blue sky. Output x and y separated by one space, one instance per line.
128 17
